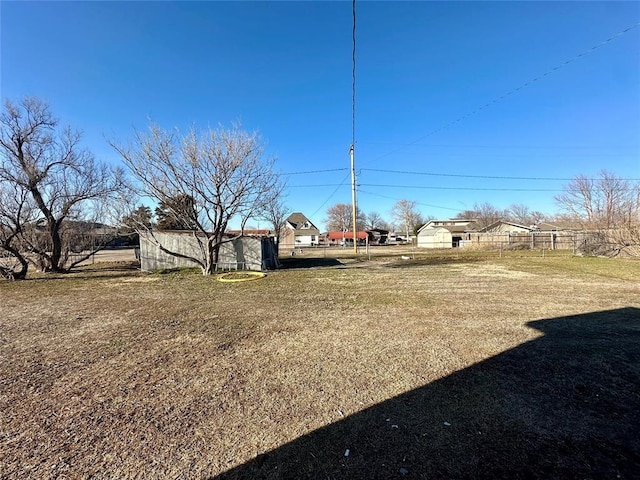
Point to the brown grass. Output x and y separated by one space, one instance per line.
111 373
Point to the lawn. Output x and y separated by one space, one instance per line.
440 366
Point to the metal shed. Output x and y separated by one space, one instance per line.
435 237
241 253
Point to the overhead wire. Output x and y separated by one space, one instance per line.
316 171
447 125
353 106
474 189
519 147
317 185
341 184
492 177
417 203
511 92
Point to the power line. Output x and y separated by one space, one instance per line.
492 177
417 203
515 90
353 123
478 189
534 156
316 171
354 207
332 194
317 185
577 147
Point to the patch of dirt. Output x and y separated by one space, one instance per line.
489 270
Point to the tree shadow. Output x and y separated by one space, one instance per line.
89 272
299 262
565 405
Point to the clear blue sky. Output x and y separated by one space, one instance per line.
284 68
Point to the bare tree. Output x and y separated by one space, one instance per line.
374 220
484 214
340 218
405 213
519 213
488 214
467 214
578 199
601 203
276 212
522 214
224 171
619 203
16 215
62 180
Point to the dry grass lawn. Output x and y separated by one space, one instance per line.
423 368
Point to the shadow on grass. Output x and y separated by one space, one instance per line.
128 266
95 271
566 405
300 262
422 262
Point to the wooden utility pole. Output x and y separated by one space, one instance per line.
353 132
353 200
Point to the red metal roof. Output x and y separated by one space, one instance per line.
349 235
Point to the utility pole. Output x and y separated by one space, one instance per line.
353 133
353 200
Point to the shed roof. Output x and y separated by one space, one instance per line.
548 227
495 225
432 231
348 235
456 228
452 224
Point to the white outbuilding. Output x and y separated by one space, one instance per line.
443 233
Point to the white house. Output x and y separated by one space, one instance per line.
299 232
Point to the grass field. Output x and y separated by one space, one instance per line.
441 366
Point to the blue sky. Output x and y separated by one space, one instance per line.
425 71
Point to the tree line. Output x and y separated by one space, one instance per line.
55 197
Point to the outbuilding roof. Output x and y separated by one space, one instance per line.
347 235
432 231
499 223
